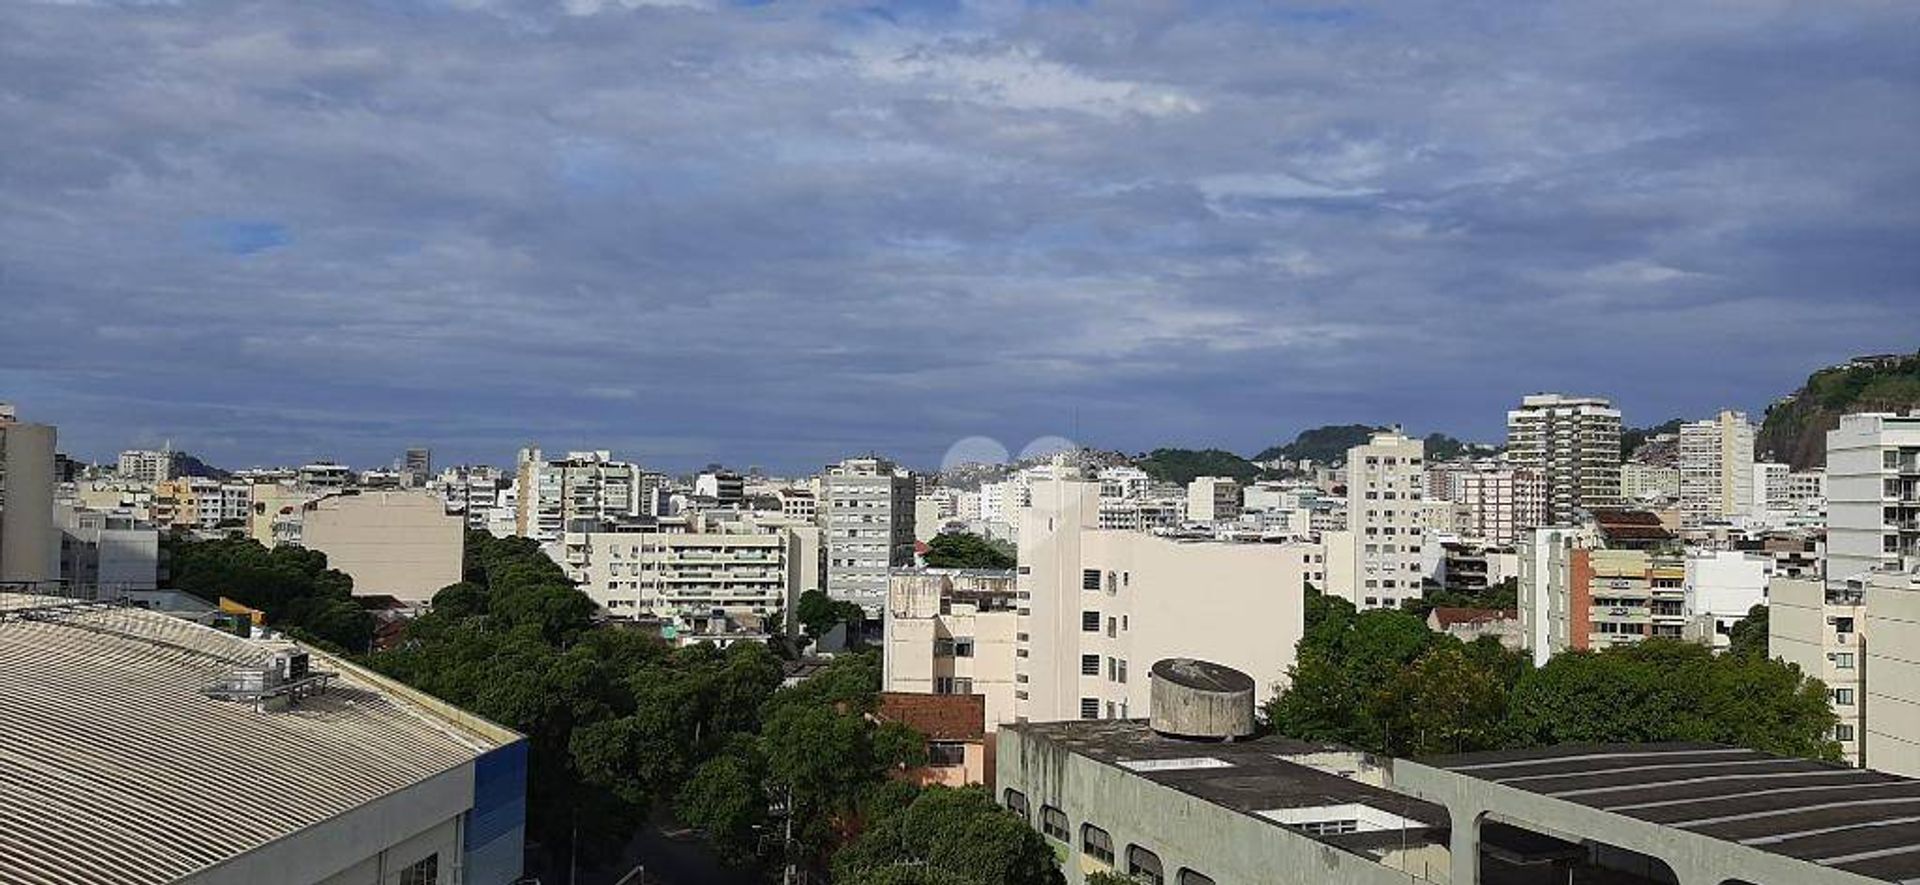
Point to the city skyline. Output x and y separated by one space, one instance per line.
781 234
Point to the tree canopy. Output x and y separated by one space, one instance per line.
1182 465
968 550
291 584
1381 681
949 837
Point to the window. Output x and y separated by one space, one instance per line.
1096 843
1113 626
1843 625
946 754
425 871
1053 822
1189 877
1089 579
1089 622
963 648
1843 732
1122 678
1089 665
1328 827
1842 697
1843 660
1144 865
1017 803
1089 708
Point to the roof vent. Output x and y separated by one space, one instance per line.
286 678
1201 700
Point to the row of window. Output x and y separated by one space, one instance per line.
1142 863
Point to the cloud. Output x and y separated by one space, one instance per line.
778 234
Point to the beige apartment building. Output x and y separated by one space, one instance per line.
1823 631
29 542
700 576
1891 687
401 543
1101 606
1386 485
1617 580
953 632
1716 469
1573 443
1496 503
1213 499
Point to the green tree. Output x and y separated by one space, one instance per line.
955 832
819 613
968 550
1748 636
291 584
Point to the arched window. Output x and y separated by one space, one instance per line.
1189 877
1144 865
1017 803
1095 843
1053 822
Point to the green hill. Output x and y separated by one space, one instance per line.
1795 430
1182 465
1330 443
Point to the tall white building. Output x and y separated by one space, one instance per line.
1385 488
1102 605
1212 499
1716 469
141 465
583 485
29 542
866 517
1573 443
1873 494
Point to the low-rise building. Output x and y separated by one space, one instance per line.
959 749
1722 586
1470 624
1213 499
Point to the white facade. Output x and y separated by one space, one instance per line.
1102 606
149 467
1892 674
866 515
1873 494
953 631
1649 483
1385 490
702 578
1716 469
1573 443
583 485
1723 585
1213 499
1497 504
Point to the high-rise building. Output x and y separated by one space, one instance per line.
866 514
583 485
418 464
1100 606
1620 579
1385 487
1873 494
1497 503
1573 443
1213 499
148 466
1716 469
1822 630
29 542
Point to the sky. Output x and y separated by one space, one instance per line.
780 233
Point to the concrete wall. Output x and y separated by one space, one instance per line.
1892 675
401 542
1185 831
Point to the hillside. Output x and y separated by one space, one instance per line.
1329 444
1795 430
1182 465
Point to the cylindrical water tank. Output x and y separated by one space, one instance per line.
1201 699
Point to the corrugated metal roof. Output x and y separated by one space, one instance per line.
115 769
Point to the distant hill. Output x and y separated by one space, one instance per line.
1795 430
1329 443
1632 439
1182 465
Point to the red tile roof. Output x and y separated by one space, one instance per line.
1446 616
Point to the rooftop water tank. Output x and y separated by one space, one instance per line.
1201 700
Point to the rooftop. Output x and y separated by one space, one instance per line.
1852 819
1253 776
115 768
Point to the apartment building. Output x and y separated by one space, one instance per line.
1497 503
866 516
583 485
198 502
1716 469
1213 499
109 553
1823 630
397 542
1873 494
954 632
146 466
1573 443
1385 490
701 577
1101 605
1642 483
29 541
726 488
1618 580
